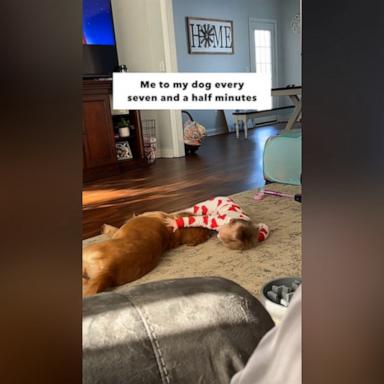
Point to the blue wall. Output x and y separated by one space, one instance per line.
239 11
290 55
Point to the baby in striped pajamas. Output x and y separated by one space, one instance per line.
235 229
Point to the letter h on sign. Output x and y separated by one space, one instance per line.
209 36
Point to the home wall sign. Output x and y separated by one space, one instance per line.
209 36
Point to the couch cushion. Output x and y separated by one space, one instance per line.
190 330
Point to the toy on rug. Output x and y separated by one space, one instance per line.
235 229
283 293
261 194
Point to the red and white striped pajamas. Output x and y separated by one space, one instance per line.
216 212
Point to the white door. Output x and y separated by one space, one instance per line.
263 53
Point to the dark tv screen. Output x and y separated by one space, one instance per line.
99 45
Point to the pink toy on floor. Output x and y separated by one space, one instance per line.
261 194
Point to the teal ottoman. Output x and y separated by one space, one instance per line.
282 158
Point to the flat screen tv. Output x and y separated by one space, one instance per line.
99 45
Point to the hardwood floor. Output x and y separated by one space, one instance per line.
223 165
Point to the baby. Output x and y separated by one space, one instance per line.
235 229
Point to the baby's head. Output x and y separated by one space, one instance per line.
238 234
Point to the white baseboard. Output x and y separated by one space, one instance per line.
283 118
263 119
164 153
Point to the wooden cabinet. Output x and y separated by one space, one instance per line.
99 143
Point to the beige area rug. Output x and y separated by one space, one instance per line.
278 256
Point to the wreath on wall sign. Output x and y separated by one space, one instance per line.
296 24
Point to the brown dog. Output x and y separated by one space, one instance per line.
133 250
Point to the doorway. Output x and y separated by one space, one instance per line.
263 53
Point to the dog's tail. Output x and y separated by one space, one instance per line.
98 284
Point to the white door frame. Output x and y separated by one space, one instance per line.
134 25
170 58
253 22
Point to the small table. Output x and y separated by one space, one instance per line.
244 115
294 93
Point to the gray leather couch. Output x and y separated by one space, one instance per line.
181 331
